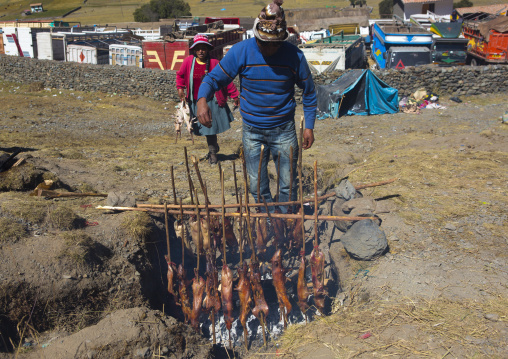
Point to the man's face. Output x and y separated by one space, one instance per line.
268 48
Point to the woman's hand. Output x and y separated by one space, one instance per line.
181 95
236 101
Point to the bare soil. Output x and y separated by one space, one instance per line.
73 277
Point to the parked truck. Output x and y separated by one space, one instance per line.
403 37
487 40
169 55
336 52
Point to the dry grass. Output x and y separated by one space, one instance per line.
77 247
62 218
11 230
441 325
23 207
137 225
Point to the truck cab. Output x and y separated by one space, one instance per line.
449 52
400 57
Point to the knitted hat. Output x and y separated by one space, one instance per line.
270 25
201 39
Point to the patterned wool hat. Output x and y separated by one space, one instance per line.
201 39
271 25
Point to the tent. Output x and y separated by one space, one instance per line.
357 92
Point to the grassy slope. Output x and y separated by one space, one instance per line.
114 11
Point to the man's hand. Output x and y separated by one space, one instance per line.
308 138
203 113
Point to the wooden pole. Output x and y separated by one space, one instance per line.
198 219
196 167
189 179
247 211
290 173
183 244
167 230
259 173
236 184
223 218
173 186
300 180
278 179
316 235
241 230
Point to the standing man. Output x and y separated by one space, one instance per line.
269 68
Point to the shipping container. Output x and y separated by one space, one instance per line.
166 55
93 52
51 46
126 55
21 41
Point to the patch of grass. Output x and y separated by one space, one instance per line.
86 188
62 218
20 178
77 246
20 205
72 154
137 225
11 230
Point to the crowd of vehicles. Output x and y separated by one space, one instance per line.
392 43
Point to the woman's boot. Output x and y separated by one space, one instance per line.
213 148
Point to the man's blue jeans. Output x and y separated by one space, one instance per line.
277 141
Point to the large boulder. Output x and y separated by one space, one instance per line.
365 240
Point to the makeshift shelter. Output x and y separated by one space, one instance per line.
357 92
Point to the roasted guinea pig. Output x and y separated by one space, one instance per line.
279 282
212 300
260 305
227 295
261 234
244 293
302 289
317 266
170 275
198 289
184 293
279 226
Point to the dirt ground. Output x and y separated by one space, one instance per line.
72 277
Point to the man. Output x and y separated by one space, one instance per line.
269 68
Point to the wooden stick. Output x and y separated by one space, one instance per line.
223 217
198 219
189 179
183 244
290 173
167 230
172 185
300 180
249 227
236 214
268 213
241 231
259 173
196 167
236 184
270 204
207 211
54 194
262 320
278 179
316 239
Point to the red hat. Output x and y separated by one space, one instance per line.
201 39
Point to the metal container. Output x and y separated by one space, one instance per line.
126 55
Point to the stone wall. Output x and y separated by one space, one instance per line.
160 85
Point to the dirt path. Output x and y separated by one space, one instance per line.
440 291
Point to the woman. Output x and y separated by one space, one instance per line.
188 79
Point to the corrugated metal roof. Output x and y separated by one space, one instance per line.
489 9
421 1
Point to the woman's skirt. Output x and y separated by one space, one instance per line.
221 117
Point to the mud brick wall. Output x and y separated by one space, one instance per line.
161 85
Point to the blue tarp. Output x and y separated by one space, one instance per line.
357 92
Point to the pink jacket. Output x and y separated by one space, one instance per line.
182 82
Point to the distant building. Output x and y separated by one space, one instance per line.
406 8
36 7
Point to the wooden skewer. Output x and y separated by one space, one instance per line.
207 211
183 244
259 173
173 186
316 235
278 178
300 180
241 232
249 227
236 214
196 167
189 179
167 230
223 217
236 184
198 219
268 213
270 204
290 173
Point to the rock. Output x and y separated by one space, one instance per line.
450 227
143 352
492 317
365 240
118 199
345 190
360 207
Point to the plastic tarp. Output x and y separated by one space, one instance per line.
447 30
357 92
499 24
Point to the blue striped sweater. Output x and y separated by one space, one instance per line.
267 84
